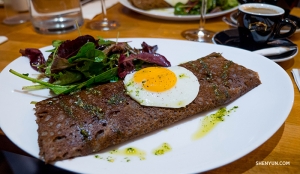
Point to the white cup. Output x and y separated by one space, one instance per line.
16 11
20 5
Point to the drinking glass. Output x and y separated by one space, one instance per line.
200 34
104 24
55 16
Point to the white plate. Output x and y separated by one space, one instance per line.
259 116
168 13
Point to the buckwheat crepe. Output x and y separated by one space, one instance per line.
87 121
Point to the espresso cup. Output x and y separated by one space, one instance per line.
260 23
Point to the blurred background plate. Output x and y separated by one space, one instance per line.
167 13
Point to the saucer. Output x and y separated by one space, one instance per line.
231 38
233 18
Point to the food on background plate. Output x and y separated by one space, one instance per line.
149 4
192 7
87 121
185 7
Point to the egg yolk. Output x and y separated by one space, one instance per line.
156 79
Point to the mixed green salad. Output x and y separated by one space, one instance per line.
192 7
85 61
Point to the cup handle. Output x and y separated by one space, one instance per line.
285 22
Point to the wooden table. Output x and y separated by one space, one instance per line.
284 145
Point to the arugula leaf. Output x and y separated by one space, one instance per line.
65 89
82 53
104 77
51 58
104 42
57 89
68 77
55 44
70 48
34 87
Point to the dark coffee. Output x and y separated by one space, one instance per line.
261 10
287 5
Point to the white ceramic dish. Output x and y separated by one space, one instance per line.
168 14
259 116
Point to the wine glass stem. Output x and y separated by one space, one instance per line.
103 6
202 14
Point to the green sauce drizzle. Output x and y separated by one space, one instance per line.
211 121
130 151
164 148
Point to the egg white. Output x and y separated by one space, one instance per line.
181 94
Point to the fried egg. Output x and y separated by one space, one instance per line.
172 87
